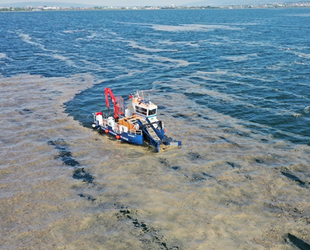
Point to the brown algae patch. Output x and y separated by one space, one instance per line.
65 186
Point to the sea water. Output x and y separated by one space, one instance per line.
232 85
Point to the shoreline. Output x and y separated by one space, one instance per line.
229 7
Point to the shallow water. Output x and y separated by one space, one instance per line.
240 179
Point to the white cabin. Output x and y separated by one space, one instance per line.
143 108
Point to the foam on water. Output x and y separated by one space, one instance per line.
187 198
34 185
240 58
160 61
193 27
27 39
302 55
135 45
3 56
173 43
65 59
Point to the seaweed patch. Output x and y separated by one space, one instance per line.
66 156
25 111
229 141
70 162
164 162
179 115
80 174
88 197
194 156
294 178
302 245
146 233
64 153
233 165
199 177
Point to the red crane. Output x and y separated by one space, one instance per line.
118 103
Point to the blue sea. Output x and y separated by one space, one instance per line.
232 84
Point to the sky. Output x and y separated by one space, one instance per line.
115 2
150 2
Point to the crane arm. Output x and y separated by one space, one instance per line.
108 92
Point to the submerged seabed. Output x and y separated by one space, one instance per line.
64 186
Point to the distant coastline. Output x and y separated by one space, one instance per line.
54 7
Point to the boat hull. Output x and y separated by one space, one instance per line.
126 137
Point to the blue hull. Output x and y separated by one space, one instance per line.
130 138
151 132
126 137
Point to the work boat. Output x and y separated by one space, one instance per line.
134 124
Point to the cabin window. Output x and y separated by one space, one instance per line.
141 110
152 112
